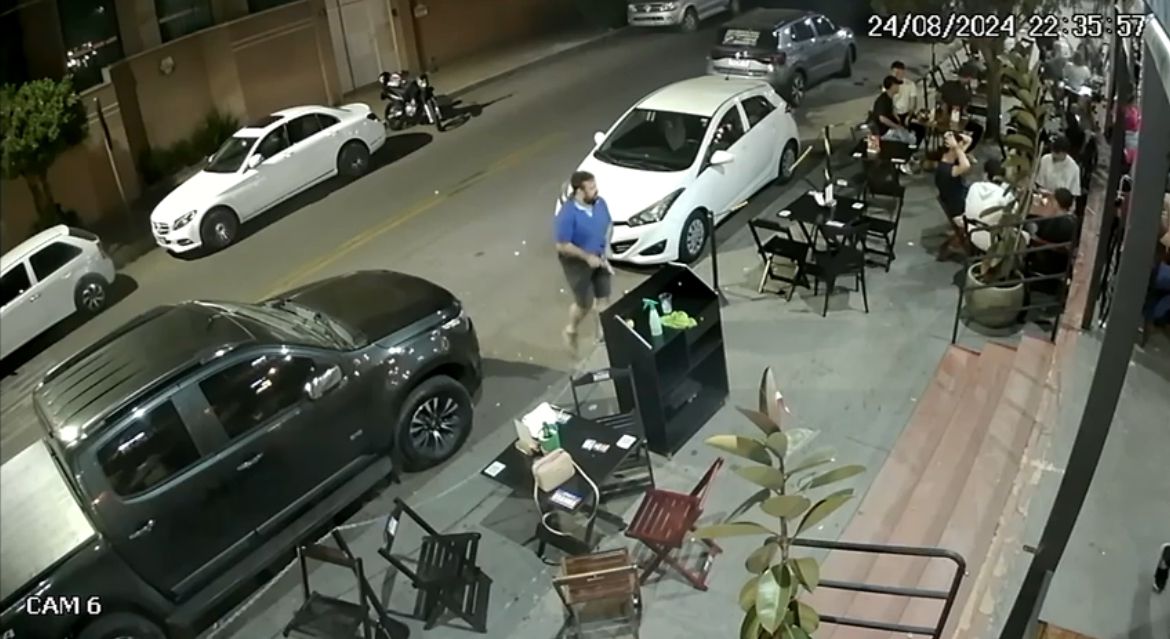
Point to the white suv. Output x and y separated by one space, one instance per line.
47 278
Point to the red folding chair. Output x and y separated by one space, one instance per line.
665 521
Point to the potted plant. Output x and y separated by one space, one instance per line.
994 295
773 598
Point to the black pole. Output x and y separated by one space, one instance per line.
715 260
1133 276
1122 86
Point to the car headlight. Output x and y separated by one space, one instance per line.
670 6
656 211
184 220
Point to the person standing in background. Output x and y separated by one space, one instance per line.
583 231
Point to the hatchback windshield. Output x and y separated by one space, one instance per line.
231 155
655 140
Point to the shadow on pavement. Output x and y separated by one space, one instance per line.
456 113
396 148
122 287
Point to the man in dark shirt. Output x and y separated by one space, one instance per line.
1059 228
956 94
883 118
952 190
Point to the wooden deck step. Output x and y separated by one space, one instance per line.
980 505
882 505
1054 632
931 503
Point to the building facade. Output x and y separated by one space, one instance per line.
150 71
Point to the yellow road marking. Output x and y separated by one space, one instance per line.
418 209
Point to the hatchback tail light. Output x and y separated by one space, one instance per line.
779 58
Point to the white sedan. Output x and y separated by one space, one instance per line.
263 165
696 147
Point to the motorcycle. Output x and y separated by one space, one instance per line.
410 101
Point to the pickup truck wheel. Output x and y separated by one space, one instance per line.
434 423
122 625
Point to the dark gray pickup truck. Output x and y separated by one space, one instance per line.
194 447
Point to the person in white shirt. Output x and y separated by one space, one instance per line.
1058 170
984 196
1077 73
907 102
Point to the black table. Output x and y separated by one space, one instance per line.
814 218
513 469
889 150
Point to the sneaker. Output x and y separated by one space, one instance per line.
1162 572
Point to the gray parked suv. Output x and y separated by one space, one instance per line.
789 48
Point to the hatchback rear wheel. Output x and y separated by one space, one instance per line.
91 295
690 21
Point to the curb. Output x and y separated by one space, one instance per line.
552 57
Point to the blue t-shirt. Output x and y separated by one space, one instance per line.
584 226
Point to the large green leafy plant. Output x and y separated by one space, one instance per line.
1023 144
39 120
792 499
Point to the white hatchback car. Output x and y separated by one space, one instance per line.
47 278
263 165
695 147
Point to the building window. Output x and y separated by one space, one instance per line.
256 6
177 18
89 31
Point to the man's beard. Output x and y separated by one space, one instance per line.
590 199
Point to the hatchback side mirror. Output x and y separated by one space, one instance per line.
254 161
598 138
721 157
319 386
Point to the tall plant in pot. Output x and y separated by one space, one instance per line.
793 500
994 296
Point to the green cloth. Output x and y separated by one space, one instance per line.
551 438
679 320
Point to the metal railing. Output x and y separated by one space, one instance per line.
1022 256
947 597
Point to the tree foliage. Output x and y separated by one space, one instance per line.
791 499
39 120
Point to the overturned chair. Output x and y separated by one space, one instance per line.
445 575
600 592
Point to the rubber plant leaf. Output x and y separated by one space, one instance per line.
747 596
744 447
778 442
799 439
733 529
812 460
761 420
751 502
786 506
750 628
773 592
1019 141
764 476
824 508
761 558
835 475
808 572
1026 119
807 617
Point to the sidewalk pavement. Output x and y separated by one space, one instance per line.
852 376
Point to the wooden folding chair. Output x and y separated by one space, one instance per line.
637 472
664 523
446 575
601 588
780 246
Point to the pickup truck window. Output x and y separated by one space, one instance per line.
150 449
250 393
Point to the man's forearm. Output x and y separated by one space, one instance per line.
569 249
890 123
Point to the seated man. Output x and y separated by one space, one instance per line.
1059 228
1057 170
952 191
983 198
906 102
885 120
1157 310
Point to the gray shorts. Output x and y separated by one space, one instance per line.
587 284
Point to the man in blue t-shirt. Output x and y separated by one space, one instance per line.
583 231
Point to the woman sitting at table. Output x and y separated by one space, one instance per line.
952 190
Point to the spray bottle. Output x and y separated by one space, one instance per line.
655 320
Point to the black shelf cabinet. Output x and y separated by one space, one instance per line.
680 376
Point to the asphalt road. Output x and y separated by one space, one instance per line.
469 208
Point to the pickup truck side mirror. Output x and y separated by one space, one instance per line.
319 386
254 161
